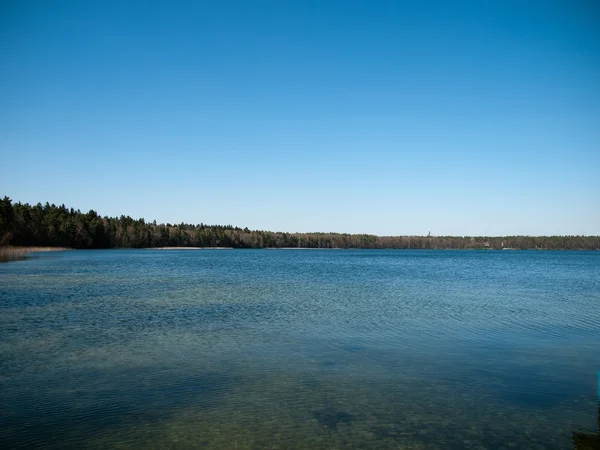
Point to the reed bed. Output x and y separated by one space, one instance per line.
12 253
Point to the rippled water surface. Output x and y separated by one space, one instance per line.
300 349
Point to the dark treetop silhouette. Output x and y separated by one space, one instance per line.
51 225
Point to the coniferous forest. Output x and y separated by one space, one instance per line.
22 224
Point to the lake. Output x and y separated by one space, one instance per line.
289 349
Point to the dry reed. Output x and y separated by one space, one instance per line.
11 253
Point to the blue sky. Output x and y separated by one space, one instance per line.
461 118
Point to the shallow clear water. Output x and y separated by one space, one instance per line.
299 349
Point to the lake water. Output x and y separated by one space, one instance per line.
310 349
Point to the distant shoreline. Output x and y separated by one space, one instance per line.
17 253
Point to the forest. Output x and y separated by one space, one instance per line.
50 225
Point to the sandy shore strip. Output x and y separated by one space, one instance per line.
302 248
191 248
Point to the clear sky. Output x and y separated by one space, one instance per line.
396 117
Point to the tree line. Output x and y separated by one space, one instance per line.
22 224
